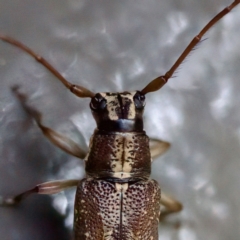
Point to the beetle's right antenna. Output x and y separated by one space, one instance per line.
159 82
76 89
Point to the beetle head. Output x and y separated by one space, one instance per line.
118 111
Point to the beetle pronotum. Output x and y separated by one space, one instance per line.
127 128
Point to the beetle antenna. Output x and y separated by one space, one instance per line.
76 89
160 81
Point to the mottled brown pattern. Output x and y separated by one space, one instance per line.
105 211
119 152
124 204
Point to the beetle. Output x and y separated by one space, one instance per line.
80 90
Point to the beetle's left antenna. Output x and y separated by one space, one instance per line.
76 89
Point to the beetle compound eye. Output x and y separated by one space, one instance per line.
118 163
139 100
98 102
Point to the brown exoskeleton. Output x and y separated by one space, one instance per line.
124 203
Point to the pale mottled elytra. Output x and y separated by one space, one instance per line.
117 199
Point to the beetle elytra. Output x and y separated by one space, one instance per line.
123 115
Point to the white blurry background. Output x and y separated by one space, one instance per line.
108 45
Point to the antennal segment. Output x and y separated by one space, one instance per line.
159 82
76 89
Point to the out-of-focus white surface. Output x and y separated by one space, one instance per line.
114 46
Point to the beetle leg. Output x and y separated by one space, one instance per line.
56 138
170 205
158 147
43 188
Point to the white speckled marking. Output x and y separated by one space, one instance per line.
113 104
113 211
124 156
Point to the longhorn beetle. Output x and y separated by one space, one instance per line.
117 199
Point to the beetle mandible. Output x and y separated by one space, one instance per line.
118 163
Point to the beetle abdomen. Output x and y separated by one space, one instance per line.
116 211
